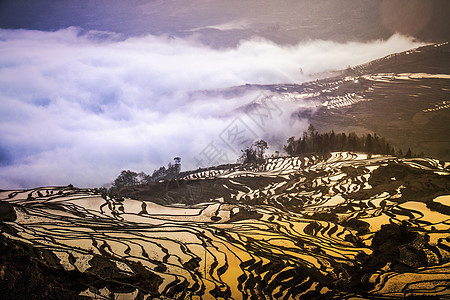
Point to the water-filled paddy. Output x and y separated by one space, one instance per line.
326 225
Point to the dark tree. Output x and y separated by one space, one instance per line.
126 178
311 130
159 174
255 153
290 147
143 178
177 164
369 144
314 142
408 153
260 147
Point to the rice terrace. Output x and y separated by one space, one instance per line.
339 226
224 149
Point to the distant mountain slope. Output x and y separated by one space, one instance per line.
334 227
434 59
396 100
404 97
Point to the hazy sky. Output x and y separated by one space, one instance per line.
225 23
88 88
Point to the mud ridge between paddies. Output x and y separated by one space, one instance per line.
312 227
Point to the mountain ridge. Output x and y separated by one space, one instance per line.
401 96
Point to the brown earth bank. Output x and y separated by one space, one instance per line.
338 226
27 272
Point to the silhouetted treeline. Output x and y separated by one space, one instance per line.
254 153
314 142
130 178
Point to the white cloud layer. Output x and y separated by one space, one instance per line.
78 108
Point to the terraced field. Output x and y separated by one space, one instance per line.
337 226
403 97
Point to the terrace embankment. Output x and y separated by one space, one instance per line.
337 226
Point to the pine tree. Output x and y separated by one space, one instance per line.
408 153
330 142
368 144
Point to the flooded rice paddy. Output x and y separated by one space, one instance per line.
341 226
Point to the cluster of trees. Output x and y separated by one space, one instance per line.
254 153
311 142
314 142
163 173
129 178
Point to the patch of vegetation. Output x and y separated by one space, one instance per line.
131 178
314 142
254 153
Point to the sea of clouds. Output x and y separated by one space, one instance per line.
78 107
